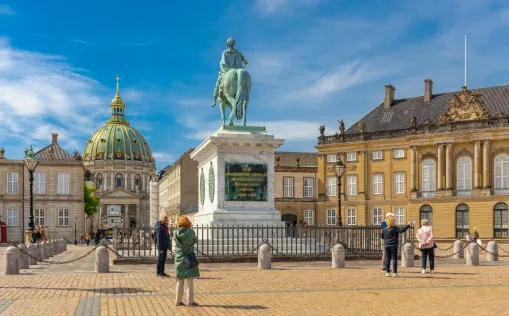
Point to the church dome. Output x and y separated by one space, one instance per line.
117 139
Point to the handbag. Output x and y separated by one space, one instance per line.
190 260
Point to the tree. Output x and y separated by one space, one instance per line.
91 203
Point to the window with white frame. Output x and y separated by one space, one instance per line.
351 156
351 216
464 174
12 217
309 217
331 217
377 155
63 183
399 182
331 186
308 187
39 217
429 176
400 215
351 185
12 183
39 183
63 217
378 183
288 187
331 158
377 215
398 153
502 172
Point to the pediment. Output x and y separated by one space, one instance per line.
467 106
119 192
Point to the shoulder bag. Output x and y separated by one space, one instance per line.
190 260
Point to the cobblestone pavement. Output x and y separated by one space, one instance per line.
310 288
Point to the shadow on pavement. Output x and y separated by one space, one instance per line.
236 306
110 290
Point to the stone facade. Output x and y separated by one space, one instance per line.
449 163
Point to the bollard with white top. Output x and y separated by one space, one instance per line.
492 251
11 261
338 256
473 254
32 251
458 250
264 257
24 260
102 260
407 255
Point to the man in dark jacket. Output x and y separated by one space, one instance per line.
163 244
390 235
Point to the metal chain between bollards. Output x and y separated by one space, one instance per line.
491 253
54 262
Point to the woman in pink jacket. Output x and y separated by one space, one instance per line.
427 245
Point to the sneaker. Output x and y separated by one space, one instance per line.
383 270
432 272
193 304
424 271
179 304
164 275
395 275
387 274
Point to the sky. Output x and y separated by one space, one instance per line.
312 62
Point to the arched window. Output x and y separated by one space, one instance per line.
429 178
462 221
427 213
500 216
137 180
118 180
502 174
464 176
99 180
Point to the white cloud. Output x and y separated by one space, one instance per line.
269 7
6 10
82 41
163 157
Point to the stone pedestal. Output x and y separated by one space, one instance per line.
154 203
236 177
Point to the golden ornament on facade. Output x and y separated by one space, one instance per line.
137 155
100 154
118 154
467 106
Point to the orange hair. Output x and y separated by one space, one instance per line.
183 221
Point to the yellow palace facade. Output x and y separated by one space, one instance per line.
443 157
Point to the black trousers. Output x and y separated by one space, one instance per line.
161 259
391 253
428 253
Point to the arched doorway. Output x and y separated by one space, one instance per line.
462 221
290 222
501 222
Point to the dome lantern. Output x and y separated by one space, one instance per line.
118 106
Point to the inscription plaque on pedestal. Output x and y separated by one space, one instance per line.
246 182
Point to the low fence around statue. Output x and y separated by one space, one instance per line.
235 243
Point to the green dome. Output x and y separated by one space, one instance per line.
117 139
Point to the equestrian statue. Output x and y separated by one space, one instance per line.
233 85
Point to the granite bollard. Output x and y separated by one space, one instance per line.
24 260
473 254
11 261
51 246
338 256
264 257
492 251
102 260
45 247
32 251
407 255
40 252
458 250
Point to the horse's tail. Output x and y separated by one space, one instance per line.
243 87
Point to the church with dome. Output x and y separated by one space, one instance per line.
119 161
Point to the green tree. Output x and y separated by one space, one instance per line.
91 203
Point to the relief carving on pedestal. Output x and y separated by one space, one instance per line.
467 106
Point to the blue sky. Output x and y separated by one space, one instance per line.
312 62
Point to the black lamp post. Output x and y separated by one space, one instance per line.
339 170
31 161
75 231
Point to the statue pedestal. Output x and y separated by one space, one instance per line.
236 177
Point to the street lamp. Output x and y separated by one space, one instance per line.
75 232
31 161
339 170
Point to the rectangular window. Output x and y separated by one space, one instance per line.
309 217
351 216
12 183
39 183
378 184
308 187
377 215
400 215
331 217
377 155
399 153
399 182
351 183
331 158
39 217
12 217
63 217
331 186
351 157
288 187
63 183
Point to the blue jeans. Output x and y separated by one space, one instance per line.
391 253
430 252
161 259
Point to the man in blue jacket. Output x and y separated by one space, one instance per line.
163 244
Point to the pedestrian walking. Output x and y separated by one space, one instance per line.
390 235
36 235
186 264
82 238
427 246
163 244
98 236
384 224
42 231
87 238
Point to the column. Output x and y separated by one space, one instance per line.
126 215
477 164
486 164
132 181
448 166
126 175
138 216
413 169
112 180
440 167
100 215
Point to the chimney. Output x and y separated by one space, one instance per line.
54 138
428 90
389 96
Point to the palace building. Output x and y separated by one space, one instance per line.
444 157
120 163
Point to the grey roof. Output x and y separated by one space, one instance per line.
496 100
288 159
59 153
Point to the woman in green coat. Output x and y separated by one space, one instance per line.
185 238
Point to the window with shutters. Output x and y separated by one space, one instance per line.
399 182
288 187
502 174
351 216
39 183
377 215
351 185
12 217
308 187
462 221
331 217
12 183
464 176
63 183
429 185
501 220
309 217
331 186
378 183
39 217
